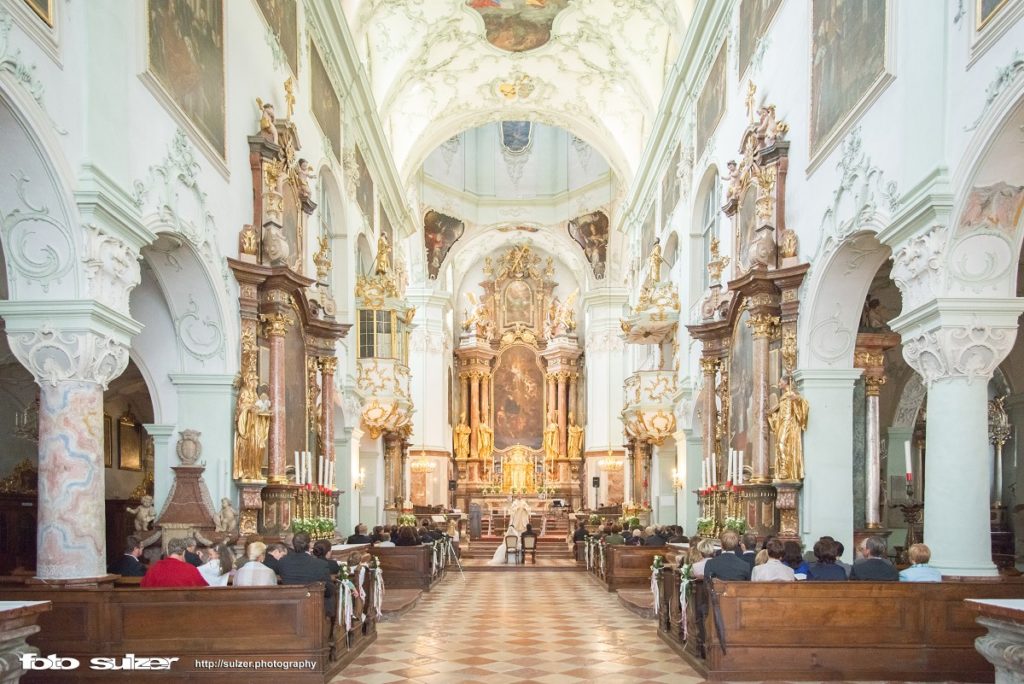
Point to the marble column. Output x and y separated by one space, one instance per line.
629 464
762 326
474 412
573 391
552 401
562 415
328 366
485 399
393 464
276 327
464 395
872 387
642 471
709 411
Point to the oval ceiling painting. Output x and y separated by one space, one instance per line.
518 25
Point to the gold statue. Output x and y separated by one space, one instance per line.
252 425
484 441
268 129
655 261
575 444
551 438
462 432
788 420
477 319
382 262
289 95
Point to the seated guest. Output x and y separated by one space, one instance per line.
581 532
749 544
218 566
360 536
774 570
705 550
275 552
824 569
191 556
920 571
636 538
383 538
407 536
434 533
375 535
322 549
299 567
840 550
794 558
616 536
254 573
424 533
652 537
761 558
128 565
874 566
393 533
173 571
727 565
677 536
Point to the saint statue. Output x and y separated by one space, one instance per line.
382 263
551 438
252 425
655 261
462 432
268 129
575 443
788 420
484 441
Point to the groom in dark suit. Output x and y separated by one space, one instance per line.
727 565
128 565
300 567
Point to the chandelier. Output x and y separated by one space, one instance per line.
26 422
422 465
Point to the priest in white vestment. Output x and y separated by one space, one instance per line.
519 515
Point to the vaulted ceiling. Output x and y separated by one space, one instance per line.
594 67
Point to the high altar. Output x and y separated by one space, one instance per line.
519 427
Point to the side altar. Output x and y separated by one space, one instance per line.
519 430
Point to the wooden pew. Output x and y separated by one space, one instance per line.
830 630
199 627
408 567
628 566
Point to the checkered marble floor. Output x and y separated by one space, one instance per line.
503 627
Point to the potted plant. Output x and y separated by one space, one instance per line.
705 526
737 525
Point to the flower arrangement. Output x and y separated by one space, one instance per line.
407 520
317 528
705 526
594 519
737 525
631 522
657 563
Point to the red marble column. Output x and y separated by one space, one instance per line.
562 415
328 365
474 412
276 327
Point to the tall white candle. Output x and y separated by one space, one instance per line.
739 462
298 471
320 472
309 468
714 468
906 451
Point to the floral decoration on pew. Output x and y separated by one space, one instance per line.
656 565
346 597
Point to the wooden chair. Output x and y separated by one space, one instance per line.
530 546
512 548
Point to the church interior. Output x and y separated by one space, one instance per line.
675 269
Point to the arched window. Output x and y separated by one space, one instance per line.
709 225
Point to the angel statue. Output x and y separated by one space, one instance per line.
551 320
462 432
788 420
567 312
477 319
268 129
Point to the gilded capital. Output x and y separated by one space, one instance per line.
276 324
873 384
763 325
328 364
709 365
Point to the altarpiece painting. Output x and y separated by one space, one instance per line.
186 57
440 232
518 25
590 231
519 403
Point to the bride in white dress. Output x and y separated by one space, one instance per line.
499 557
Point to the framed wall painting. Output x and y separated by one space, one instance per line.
185 58
108 442
440 232
984 11
326 105
711 103
364 188
850 65
129 443
282 16
43 8
755 16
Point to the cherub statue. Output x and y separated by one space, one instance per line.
304 174
733 191
228 518
567 312
477 319
874 315
145 514
268 129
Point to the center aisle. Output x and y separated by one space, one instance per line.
518 627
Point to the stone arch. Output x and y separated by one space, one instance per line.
697 262
332 219
42 244
364 255
834 299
